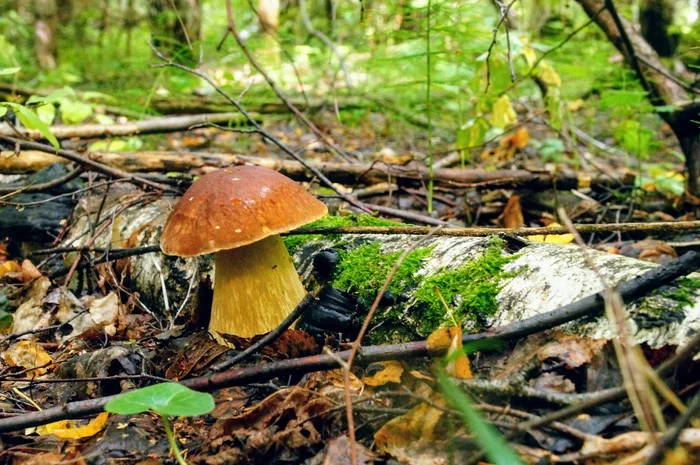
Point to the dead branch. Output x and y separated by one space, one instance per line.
345 173
87 163
149 126
590 305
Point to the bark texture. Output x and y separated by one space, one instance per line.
537 278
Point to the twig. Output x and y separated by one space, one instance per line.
657 227
86 162
42 186
634 62
358 341
255 124
254 63
591 305
503 10
268 338
671 435
111 256
603 397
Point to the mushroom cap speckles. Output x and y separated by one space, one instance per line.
236 206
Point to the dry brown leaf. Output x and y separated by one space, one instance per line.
390 373
28 354
512 216
451 339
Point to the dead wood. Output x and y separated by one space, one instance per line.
541 277
267 371
344 173
149 126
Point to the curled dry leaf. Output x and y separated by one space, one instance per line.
390 372
289 423
451 339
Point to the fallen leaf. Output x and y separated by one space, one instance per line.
28 354
512 216
390 373
67 429
10 266
451 339
419 423
553 238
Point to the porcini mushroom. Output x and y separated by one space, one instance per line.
238 213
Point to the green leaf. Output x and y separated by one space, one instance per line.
6 71
634 138
74 112
32 121
489 439
3 111
171 399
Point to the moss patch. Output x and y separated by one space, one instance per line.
363 270
293 242
470 290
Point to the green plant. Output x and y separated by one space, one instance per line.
166 399
491 442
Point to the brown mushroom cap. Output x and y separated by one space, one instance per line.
236 206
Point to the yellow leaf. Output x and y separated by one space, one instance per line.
390 373
502 113
553 238
10 266
67 429
530 56
451 339
549 76
418 424
28 354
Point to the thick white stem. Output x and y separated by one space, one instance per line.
255 288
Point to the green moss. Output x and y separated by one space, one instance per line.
363 270
470 291
682 293
293 242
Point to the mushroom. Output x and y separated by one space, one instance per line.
238 213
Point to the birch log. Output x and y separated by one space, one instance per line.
540 277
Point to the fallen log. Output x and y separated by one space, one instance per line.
486 282
149 126
344 173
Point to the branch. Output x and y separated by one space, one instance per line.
588 306
88 163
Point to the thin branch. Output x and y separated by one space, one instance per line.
88 163
268 338
655 227
42 186
588 306
255 124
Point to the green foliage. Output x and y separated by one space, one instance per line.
634 138
491 442
363 270
550 149
31 121
171 399
470 290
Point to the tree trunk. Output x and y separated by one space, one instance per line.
663 90
45 25
655 18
